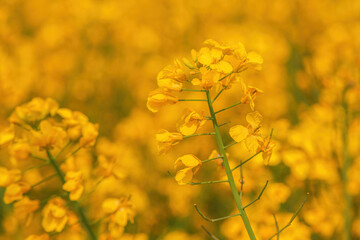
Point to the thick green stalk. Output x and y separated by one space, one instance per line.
228 170
83 219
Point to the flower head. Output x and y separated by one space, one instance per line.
158 98
55 215
15 191
186 167
190 122
49 136
167 139
35 110
248 134
25 208
121 211
8 177
74 185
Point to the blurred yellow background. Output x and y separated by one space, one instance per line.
101 57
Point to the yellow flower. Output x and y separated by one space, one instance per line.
158 98
74 121
249 94
7 135
25 208
208 78
74 185
8 177
166 140
44 236
89 135
186 167
108 166
35 110
49 136
55 215
250 133
122 211
19 151
266 146
254 61
174 72
15 191
190 122
172 77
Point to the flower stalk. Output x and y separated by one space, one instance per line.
228 171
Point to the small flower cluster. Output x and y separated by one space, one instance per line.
42 132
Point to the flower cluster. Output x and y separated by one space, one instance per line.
43 142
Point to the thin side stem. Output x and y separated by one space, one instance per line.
208 182
230 145
223 124
228 171
192 100
259 196
219 93
210 234
211 159
192 90
213 219
44 180
195 135
277 227
242 163
238 103
292 218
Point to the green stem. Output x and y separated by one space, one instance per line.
211 159
344 172
228 171
208 182
192 100
81 214
192 90
195 135
238 103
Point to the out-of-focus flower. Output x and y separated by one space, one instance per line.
35 110
190 122
15 191
166 140
7 135
89 135
49 136
44 236
19 151
9 176
74 185
55 215
160 97
108 166
186 167
250 94
25 208
121 211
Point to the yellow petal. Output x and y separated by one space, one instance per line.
254 119
252 143
184 176
255 60
188 160
238 133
